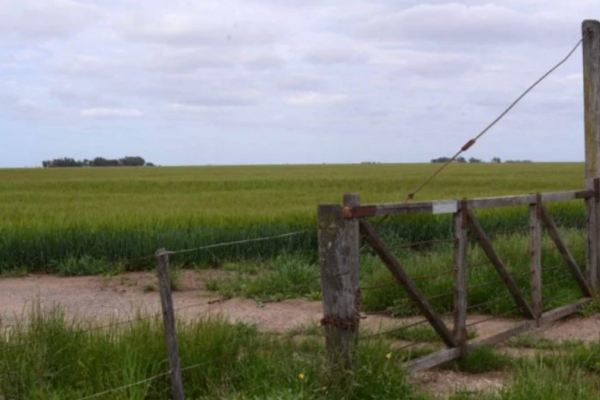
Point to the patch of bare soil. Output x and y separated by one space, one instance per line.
574 328
443 383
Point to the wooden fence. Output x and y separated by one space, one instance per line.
342 226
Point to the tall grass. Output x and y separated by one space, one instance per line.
52 358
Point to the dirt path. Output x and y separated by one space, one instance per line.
124 296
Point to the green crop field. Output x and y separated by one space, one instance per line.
51 216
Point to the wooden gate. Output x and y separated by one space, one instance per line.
340 232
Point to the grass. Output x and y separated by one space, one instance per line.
536 380
294 275
50 357
285 276
539 343
422 333
118 214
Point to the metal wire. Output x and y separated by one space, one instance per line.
212 246
471 142
504 259
560 296
425 242
433 276
556 283
190 367
377 334
117 389
490 318
484 303
505 231
414 279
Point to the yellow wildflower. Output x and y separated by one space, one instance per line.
301 375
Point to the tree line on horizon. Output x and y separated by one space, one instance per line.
67 162
473 160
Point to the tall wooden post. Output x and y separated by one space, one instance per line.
166 301
339 247
535 252
460 277
591 92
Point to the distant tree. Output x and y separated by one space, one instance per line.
440 160
149 164
96 162
517 161
496 160
132 162
461 160
474 160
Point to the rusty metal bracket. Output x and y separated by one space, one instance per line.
468 145
464 209
590 32
348 325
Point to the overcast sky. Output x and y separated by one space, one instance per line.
296 81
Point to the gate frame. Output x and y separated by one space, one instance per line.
339 247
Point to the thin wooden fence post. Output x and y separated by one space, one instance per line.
535 252
460 277
591 94
339 248
166 301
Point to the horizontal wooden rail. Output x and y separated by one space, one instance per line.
446 355
452 206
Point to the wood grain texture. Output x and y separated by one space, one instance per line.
166 302
535 252
460 277
339 260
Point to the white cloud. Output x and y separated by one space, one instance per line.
464 24
198 29
111 113
337 55
45 19
314 98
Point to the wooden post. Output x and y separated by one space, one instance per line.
591 231
460 277
565 253
591 92
535 251
166 302
339 248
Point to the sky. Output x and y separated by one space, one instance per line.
185 82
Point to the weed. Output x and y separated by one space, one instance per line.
481 359
423 333
150 287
